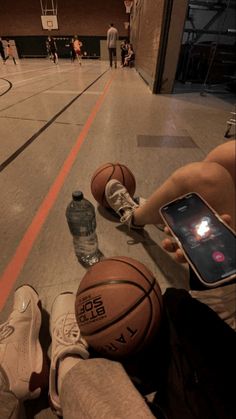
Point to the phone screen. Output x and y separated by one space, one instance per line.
209 244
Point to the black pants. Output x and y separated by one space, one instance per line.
2 54
112 53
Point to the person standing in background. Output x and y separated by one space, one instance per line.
2 51
72 50
10 52
112 37
77 48
53 49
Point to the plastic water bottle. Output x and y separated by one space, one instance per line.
81 219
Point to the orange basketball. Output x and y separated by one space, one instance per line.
118 306
107 172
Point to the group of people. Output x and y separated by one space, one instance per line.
127 51
9 51
75 49
191 363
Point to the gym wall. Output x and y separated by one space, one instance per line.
21 21
83 17
146 26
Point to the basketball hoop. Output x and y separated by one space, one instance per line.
126 25
128 5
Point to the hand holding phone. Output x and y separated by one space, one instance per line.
171 245
206 241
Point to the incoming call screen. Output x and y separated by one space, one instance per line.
208 243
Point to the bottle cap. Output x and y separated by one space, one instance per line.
77 195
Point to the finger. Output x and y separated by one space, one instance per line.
167 230
226 218
179 256
169 245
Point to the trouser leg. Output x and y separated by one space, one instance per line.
2 55
110 56
9 404
101 389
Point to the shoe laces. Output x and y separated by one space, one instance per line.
125 202
5 331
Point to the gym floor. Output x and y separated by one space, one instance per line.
59 123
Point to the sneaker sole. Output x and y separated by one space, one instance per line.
39 377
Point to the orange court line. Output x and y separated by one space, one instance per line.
14 267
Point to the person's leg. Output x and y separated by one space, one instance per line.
81 387
100 388
110 56
2 55
115 57
211 180
225 155
9 404
22 372
67 345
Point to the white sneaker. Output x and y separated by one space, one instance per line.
21 356
121 202
66 341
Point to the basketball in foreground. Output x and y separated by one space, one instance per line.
107 172
118 306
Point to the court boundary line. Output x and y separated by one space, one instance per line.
9 87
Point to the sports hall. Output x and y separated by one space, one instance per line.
60 121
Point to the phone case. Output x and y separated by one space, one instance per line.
228 279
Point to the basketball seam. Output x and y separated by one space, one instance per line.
131 174
101 170
117 319
112 281
130 264
123 176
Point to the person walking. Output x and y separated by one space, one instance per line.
77 49
53 49
112 37
10 52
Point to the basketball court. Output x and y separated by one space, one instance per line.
59 123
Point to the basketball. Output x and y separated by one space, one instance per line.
107 172
118 307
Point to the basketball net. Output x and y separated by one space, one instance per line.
128 5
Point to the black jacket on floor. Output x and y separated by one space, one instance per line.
192 363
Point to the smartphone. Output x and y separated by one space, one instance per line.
209 244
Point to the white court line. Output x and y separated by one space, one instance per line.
32 78
35 78
74 92
22 72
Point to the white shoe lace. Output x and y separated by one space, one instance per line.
125 203
5 331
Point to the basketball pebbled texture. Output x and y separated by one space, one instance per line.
107 172
118 306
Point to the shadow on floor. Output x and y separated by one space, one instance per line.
176 274
33 407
